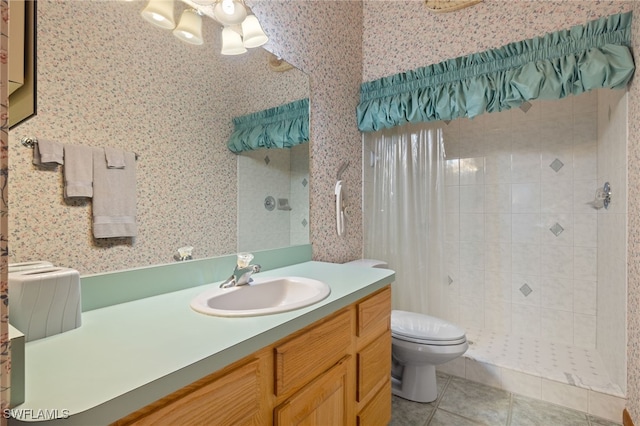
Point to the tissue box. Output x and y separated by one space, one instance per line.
44 301
24 266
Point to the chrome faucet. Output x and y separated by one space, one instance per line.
242 272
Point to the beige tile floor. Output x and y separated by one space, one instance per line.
464 403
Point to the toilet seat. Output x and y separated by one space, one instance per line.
425 329
430 342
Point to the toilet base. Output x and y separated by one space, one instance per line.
418 383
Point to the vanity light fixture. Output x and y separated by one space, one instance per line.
189 28
159 13
241 30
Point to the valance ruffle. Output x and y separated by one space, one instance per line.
568 62
280 127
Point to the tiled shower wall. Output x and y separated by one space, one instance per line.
521 238
612 235
299 215
281 174
524 242
521 234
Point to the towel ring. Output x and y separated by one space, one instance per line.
30 142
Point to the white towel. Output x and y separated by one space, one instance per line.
78 171
114 197
114 157
48 153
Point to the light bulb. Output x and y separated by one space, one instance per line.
228 7
229 12
252 34
231 42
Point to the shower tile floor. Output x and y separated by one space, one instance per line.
462 402
572 365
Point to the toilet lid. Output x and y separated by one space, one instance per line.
424 327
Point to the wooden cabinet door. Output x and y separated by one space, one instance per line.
233 400
322 402
374 315
378 410
374 366
299 360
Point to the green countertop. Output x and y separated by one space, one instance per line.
128 355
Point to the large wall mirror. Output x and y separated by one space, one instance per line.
109 78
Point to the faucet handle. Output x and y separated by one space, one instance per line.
244 259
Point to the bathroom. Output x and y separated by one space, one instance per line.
331 43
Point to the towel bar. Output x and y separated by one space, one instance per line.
30 142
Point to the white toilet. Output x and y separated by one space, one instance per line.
419 343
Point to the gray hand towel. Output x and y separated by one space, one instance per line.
78 171
48 153
114 197
115 158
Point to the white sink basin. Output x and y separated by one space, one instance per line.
268 295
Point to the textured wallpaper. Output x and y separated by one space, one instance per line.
403 35
106 77
324 39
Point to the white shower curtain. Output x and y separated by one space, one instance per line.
406 224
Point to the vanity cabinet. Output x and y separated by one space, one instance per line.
233 396
335 371
373 355
324 401
305 356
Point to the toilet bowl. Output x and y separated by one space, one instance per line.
419 343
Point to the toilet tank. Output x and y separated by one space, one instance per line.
369 263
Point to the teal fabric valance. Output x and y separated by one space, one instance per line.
568 62
280 127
